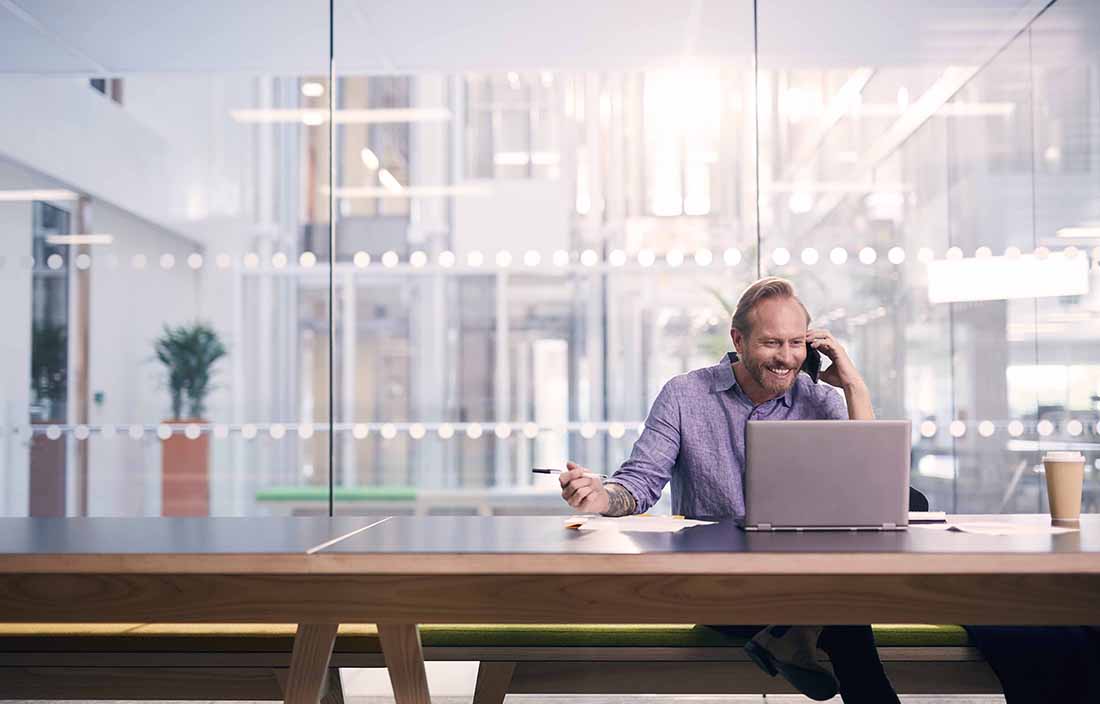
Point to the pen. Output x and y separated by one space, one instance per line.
544 470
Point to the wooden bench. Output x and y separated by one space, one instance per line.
244 661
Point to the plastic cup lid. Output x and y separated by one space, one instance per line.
1063 456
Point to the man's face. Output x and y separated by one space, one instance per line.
776 347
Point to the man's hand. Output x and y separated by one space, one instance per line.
842 372
582 490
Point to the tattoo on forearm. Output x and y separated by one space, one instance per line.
620 501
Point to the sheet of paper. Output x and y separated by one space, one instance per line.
992 528
643 524
927 516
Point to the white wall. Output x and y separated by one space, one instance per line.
170 154
210 153
129 309
15 356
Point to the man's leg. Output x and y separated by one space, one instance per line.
851 650
1037 663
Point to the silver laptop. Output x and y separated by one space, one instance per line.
827 475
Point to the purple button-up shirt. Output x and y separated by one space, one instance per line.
695 438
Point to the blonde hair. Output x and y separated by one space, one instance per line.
761 290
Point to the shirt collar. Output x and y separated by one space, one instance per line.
725 379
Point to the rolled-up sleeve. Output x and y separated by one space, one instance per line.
651 461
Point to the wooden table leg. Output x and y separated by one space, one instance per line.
493 679
309 662
405 662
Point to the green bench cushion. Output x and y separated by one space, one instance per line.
340 493
364 637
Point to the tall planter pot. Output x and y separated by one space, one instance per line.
185 474
47 480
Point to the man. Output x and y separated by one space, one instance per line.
695 438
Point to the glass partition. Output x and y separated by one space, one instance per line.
508 230
158 174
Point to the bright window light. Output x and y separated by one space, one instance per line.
75 240
1004 278
1079 232
369 158
29 195
389 180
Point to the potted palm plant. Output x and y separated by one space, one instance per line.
188 353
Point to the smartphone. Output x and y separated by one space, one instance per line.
812 365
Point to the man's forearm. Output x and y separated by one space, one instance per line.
858 398
620 501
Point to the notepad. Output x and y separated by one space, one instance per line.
634 524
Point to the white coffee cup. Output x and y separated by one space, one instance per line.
1065 473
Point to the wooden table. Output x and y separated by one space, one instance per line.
402 571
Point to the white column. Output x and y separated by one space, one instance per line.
522 477
434 162
502 376
350 476
236 390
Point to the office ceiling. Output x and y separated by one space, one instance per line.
291 37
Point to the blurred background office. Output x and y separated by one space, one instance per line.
540 213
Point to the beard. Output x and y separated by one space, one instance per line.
767 381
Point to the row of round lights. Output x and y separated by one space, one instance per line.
417 431
561 258
1015 428
387 431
